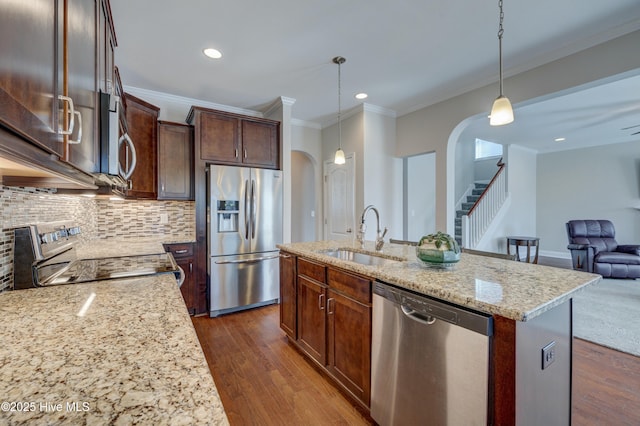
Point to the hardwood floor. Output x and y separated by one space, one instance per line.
262 380
606 386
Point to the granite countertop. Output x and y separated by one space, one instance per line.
111 352
515 290
124 247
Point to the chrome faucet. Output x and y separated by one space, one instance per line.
363 228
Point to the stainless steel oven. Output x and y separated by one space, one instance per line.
44 255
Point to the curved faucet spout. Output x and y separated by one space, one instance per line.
363 228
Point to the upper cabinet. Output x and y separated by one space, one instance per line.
175 161
81 82
142 127
30 77
56 56
227 138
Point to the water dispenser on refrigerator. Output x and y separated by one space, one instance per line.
228 211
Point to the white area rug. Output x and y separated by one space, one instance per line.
608 313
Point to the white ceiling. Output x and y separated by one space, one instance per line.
406 54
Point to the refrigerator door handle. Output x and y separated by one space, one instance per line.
256 260
253 209
246 207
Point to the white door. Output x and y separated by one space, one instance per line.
339 199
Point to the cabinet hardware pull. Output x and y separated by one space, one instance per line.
181 251
79 120
329 310
245 153
321 302
190 267
285 256
126 139
71 113
236 152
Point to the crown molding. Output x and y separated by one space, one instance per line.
189 102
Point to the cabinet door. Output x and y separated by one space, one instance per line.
82 82
260 144
31 51
288 294
106 47
219 138
349 343
311 318
142 126
175 161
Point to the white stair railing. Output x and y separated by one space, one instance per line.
476 222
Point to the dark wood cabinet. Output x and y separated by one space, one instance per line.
288 294
55 56
81 82
30 78
175 161
333 321
142 127
349 332
106 47
227 138
312 321
260 143
183 253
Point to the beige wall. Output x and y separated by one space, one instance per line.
432 128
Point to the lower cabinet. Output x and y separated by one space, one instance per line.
183 253
288 294
333 322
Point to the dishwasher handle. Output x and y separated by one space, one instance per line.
417 317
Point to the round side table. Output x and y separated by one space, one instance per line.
527 242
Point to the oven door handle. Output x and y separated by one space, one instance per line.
256 260
182 277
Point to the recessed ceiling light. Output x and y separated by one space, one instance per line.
212 53
560 139
361 96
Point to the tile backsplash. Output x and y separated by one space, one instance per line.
98 219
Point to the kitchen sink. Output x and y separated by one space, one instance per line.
358 257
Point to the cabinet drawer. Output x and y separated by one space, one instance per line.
353 286
180 250
312 270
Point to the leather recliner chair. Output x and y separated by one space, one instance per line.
594 249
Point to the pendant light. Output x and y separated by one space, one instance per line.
502 111
339 158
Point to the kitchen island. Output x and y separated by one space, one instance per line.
119 351
529 366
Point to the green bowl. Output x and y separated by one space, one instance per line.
438 250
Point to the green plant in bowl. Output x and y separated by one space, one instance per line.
438 250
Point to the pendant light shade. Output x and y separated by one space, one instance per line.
502 111
339 157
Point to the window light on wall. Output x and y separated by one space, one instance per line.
486 149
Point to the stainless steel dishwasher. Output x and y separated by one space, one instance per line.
430 361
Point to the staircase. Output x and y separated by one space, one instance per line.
466 206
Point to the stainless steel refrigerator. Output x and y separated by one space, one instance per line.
245 224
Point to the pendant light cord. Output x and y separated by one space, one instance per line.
339 106
500 33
